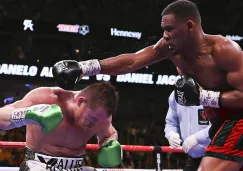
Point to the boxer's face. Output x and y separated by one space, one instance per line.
86 116
175 31
92 117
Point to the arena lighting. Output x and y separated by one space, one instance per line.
8 100
81 29
234 37
30 86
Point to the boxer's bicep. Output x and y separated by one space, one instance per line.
151 54
232 63
235 78
126 63
36 96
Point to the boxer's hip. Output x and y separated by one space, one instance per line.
39 161
216 115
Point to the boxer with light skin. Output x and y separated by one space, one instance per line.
60 122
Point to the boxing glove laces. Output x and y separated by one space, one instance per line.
48 117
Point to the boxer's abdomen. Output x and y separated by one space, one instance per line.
221 114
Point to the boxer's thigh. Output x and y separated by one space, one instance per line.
225 151
32 165
216 164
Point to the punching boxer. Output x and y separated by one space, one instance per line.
215 62
85 113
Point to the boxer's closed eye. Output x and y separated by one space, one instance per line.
168 28
92 121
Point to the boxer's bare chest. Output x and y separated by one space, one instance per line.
204 70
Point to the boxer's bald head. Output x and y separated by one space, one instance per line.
183 9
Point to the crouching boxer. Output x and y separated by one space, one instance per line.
86 113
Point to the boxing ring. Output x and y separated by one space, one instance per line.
156 150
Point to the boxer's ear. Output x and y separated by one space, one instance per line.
179 71
82 100
190 24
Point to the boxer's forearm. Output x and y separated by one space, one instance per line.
232 99
113 136
118 65
5 117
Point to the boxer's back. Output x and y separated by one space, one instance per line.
68 139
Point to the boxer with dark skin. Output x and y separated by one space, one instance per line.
215 62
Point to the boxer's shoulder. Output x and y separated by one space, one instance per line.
38 95
40 91
222 43
226 52
56 90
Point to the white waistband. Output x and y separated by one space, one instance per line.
60 162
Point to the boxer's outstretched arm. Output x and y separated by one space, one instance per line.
230 59
106 132
130 62
67 73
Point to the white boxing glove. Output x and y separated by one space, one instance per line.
189 143
174 140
